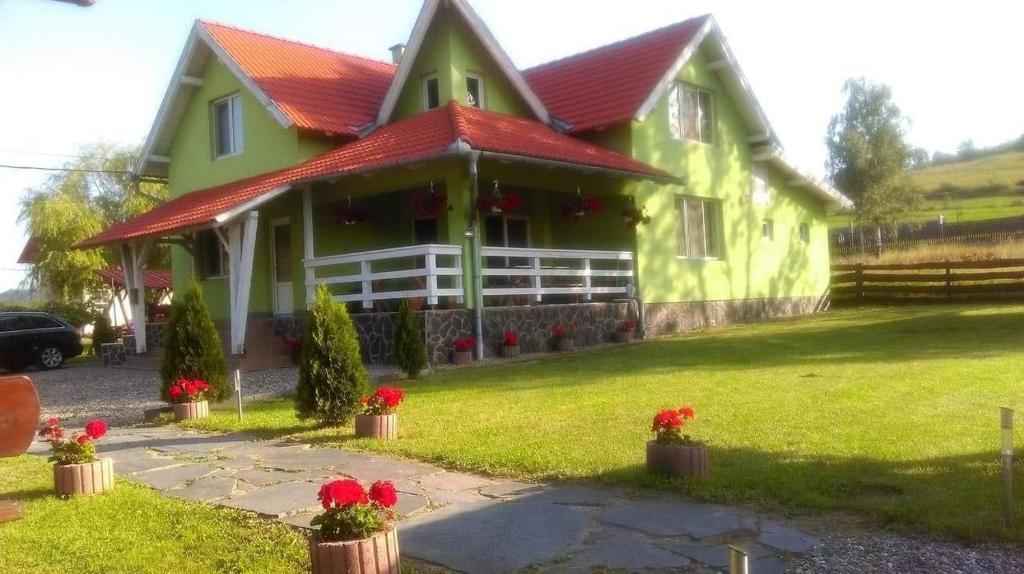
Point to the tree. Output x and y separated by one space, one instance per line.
332 377
867 155
97 191
102 333
192 347
919 158
966 150
410 351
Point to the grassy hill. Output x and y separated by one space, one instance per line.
970 190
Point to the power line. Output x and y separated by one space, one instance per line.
64 169
46 153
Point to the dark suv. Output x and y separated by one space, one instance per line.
36 338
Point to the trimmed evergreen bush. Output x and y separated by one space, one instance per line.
332 377
410 351
192 347
102 332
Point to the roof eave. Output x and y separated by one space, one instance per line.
830 195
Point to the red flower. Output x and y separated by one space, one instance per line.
175 391
464 344
53 422
511 338
342 493
391 397
383 493
96 429
687 412
83 438
667 420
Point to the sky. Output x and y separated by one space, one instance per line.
71 75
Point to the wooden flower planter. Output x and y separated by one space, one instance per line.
191 411
623 336
375 555
566 345
377 426
510 352
83 479
462 357
678 460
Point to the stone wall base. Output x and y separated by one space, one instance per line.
667 318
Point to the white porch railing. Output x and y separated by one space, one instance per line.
507 272
425 266
540 272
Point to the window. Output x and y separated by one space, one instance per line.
227 126
506 231
431 92
759 185
211 257
768 229
474 91
424 231
691 113
805 233
701 228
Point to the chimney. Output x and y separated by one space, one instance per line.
396 53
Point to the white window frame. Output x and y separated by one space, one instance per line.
675 113
804 232
683 201
482 104
235 125
225 263
760 192
426 92
768 229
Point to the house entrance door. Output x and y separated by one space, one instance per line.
281 237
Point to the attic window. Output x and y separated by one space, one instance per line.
474 91
691 113
227 126
431 92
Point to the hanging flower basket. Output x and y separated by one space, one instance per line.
356 533
351 214
634 216
672 452
76 469
427 204
510 345
508 202
379 419
582 206
188 399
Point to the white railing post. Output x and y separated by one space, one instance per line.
308 250
587 295
367 283
536 280
431 278
458 281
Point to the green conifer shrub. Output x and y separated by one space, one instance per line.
332 377
192 347
410 352
102 332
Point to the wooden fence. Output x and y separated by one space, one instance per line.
844 241
929 281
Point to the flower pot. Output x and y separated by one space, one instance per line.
510 352
83 479
373 555
677 459
377 426
566 345
191 411
462 357
623 336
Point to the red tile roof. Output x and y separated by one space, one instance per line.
318 89
153 278
607 85
30 252
423 136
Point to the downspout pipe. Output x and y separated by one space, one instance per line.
474 247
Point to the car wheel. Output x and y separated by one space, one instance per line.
51 357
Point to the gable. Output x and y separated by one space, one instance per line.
450 47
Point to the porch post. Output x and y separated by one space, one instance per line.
132 256
478 282
308 251
240 244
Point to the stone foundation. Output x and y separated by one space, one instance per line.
666 318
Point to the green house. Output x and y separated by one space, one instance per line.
639 180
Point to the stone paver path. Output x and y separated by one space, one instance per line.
460 521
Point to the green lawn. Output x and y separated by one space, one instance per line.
892 413
133 529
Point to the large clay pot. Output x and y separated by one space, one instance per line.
623 336
510 352
377 426
83 479
565 345
462 357
373 555
678 460
191 411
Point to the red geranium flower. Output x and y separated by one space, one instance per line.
83 439
342 493
96 429
383 493
464 344
511 338
687 412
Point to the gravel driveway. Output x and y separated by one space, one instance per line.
119 395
